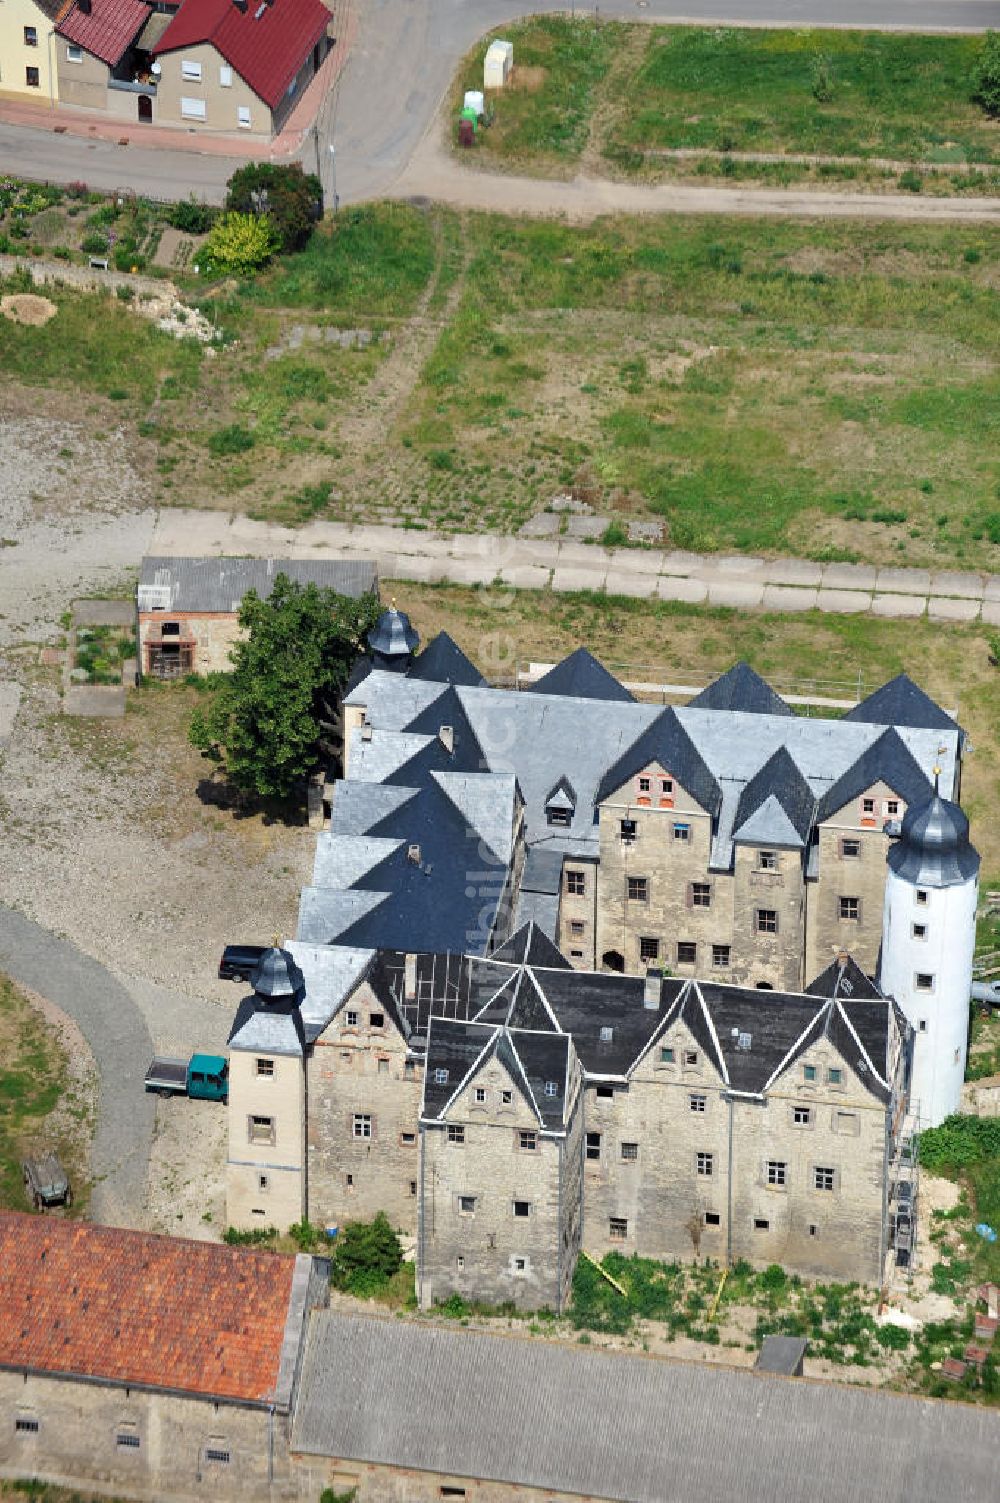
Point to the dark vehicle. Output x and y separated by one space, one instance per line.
239 962
45 1181
203 1076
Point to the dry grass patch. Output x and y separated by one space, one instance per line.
27 308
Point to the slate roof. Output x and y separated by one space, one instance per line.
668 744
131 1308
109 30
585 1002
218 585
581 676
777 806
741 689
273 1027
531 945
578 1422
266 44
843 977
933 848
886 760
443 661
461 1052
902 702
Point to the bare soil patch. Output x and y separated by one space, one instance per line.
27 308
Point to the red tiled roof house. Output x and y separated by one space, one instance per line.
145 1364
226 66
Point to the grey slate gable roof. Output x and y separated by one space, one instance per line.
886 760
218 585
667 743
443 661
780 781
581 676
902 702
844 978
532 945
741 689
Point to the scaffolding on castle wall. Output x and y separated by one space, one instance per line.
904 1196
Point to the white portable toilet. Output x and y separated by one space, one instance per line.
498 63
474 101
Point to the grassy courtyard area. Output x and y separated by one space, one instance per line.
828 390
621 98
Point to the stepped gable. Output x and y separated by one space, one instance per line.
581 676
777 806
667 744
887 760
741 689
443 661
902 702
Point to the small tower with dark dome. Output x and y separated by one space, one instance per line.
393 640
928 941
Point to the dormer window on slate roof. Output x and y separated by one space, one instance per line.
560 805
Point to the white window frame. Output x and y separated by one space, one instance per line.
74 54
225 76
361 1126
193 109
190 70
241 111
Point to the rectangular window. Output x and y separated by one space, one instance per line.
868 806
409 1067
480 1095
383 1067
850 908
687 952
696 1101
690 1056
701 895
666 1056
522 1208
376 1020
74 54
406 1138
556 816
190 70
527 1141
552 1088
801 1115
712 1218
193 109
31 78
834 1076
705 1163
630 1152
892 807
456 1134
576 954
225 76
262 1182
823 1179
265 1067
30 36
362 1125
808 1072
617 1228
261 1129
720 956
638 889
920 897
767 861
26 1424
767 921
919 931
629 830
506 1097
519 1266
606 1035
440 1076
924 981
777 1172
352 1018
760 1224
576 926
467 1205
666 786
682 832
218 1455
593 1145
576 883
604 1092
850 848
643 785
127 1440
649 948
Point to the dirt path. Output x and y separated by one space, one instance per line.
433 173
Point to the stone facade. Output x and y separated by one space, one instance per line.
172 643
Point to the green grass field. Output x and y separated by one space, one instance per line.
621 95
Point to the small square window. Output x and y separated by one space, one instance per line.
352 1018
191 71
527 1141
456 1134
666 786
467 1205
506 1097
919 931
690 1056
649 948
922 1026
682 832
638 889
407 1138
777 1172
924 981
629 830
687 952
767 861
74 54
696 1101
823 1179
362 1124
705 1163
265 1067
808 1072
868 806
720 956
630 1152
480 1094
767 921
577 926
440 1076
801 1115
761 1224
520 1265
576 883
712 1218
892 807
617 1228
593 1145
850 908
835 1076
701 894
261 1130
644 785
552 1088
522 1208
376 1020
920 897
666 1056
606 1035
850 848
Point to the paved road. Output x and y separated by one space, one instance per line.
785 584
116 1031
399 68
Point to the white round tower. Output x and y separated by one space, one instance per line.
928 941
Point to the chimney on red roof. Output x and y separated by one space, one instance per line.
84 6
241 5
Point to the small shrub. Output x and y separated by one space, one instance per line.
774 1278
911 181
240 243
614 535
191 216
366 1255
972 255
986 75
255 1236
822 79
234 439
291 199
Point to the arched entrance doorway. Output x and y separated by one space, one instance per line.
611 960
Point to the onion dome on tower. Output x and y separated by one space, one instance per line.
933 849
393 640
